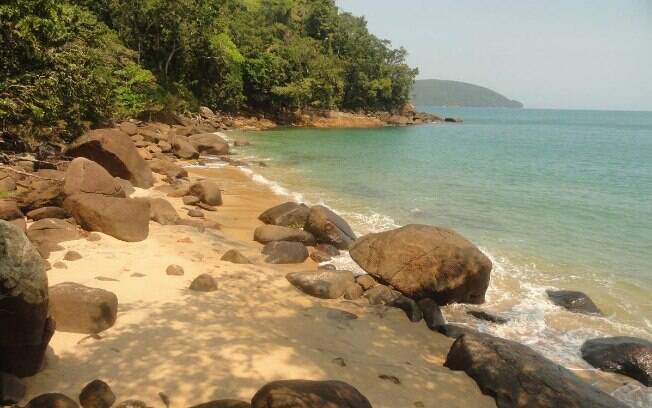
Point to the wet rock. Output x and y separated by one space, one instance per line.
329 228
48 233
628 356
517 376
26 328
208 192
80 309
322 284
12 390
52 400
114 151
489 317
441 264
209 143
409 306
174 270
86 176
270 233
96 394
309 394
285 215
47 212
573 301
126 219
431 313
204 283
234 256
281 252
72 256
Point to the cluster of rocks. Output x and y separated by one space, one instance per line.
277 394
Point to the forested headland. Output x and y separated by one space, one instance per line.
66 66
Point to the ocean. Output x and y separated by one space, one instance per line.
556 198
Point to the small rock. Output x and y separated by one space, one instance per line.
72 256
195 213
174 270
366 281
234 256
573 301
454 331
206 207
59 265
309 394
163 212
105 279
339 361
391 378
381 295
490 317
93 237
353 292
320 257
96 394
327 267
138 275
52 400
190 200
208 192
204 283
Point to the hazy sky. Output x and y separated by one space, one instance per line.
584 54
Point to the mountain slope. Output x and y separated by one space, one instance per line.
436 92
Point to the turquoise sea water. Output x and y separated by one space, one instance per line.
557 198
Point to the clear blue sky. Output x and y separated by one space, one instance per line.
575 54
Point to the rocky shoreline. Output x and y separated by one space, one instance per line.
85 231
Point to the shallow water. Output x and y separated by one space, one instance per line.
557 199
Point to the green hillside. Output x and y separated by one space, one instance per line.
436 92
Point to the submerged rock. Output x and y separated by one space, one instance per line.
424 261
489 317
628 356
517 376
573 301
309 394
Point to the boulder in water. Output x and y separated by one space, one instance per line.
573 301
628 356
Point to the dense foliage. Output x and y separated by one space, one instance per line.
69 63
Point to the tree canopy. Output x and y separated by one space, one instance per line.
67 64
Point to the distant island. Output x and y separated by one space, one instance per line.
437 92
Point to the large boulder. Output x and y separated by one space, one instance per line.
286 215
517 376
207 191
309 394
163 212
329 228
209 143
423 261
9 210
48 233
182 147
322 284
126 219
79 309
114 151
283 252
86 176
628 356
270 233
573 301
25 329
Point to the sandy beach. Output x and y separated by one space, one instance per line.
257 328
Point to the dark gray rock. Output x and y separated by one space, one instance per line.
573 301
628 356
454 331
431 313
409 306
517 376
489 317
